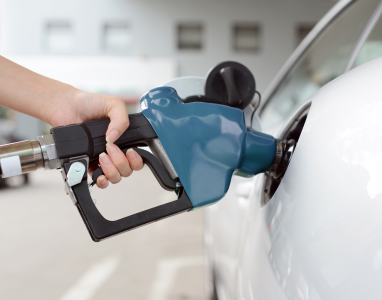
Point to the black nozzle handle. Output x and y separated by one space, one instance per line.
89 138
101 228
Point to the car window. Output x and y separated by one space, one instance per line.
372 48
325 60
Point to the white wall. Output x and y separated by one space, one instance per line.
154 24
103 74
154 28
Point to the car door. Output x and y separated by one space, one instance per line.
264 270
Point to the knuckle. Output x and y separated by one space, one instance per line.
122 164
116 180
119 160
111 173
126 173
125 122
137 165
102 186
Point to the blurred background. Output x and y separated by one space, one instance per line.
123 48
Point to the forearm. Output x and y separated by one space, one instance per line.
28 92
59 104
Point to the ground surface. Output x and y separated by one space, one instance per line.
46 251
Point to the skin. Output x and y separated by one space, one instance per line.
59 104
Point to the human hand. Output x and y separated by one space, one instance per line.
60 104
75 106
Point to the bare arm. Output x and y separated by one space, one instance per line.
57 104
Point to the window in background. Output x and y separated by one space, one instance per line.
302 31
246 37
190 36
59 37
117 37
325 60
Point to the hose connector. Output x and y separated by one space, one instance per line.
20 158
49 152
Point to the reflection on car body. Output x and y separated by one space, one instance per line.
317 233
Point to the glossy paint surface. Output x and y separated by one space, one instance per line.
321 234
206 143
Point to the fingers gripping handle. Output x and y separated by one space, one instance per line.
88 138
101 228
153 163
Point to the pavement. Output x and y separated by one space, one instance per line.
47 253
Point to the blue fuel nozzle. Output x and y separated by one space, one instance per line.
197 145
206 143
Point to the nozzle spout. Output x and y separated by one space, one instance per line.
259 152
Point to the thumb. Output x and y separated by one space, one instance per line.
119 119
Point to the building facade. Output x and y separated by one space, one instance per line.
194 35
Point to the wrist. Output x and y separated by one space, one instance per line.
55 100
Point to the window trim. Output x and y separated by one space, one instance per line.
301 50
365 34
298 27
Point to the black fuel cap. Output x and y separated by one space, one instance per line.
230 83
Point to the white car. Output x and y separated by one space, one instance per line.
316 233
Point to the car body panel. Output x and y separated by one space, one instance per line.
321 233
244 256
